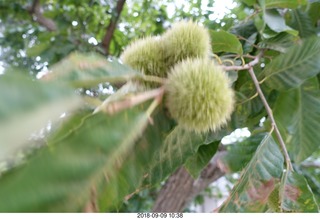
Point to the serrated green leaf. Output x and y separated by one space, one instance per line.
240 153
296 195
301 21
26 107
223 41
130 175
277 23
291 69
281 42
284 3
62 176
297 114
258 179
85 70
179 145
197 162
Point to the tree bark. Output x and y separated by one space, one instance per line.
181 188
35 12
112 26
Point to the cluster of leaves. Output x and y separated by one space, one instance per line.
94 161
287 32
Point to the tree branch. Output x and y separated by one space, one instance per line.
181 188
244 67
269 111
112 26
249 67
37 16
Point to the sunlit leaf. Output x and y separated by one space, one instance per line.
277 23
64 176
27 106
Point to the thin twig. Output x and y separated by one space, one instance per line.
112 26
244 67
35 12
238 56
269 112
249 67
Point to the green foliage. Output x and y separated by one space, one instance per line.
223 41
284 3
250 194
87 70
295 194
60 177
302 22
129 176
62 150
196 163
240 153
179 145
277 23
291 69
297 111
281 42
26 109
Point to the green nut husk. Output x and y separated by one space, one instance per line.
198 95
156 55
146 55
186 39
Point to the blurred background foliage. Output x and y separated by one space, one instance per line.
35 35
81 26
